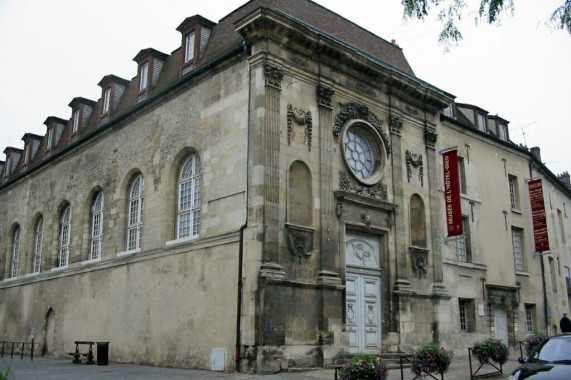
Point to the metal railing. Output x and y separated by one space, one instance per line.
19 349
476 375
423 374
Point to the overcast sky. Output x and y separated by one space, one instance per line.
53 51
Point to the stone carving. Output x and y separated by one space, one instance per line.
414 160
299 241
411 110
419 261
389 221
324 95
300 117
378 191
395 124
362 88
339 209
362 253
274 76
366 218
430 137
350 313
351 111
370 314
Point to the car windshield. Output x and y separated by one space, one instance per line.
553 350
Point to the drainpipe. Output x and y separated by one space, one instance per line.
241 247
541 260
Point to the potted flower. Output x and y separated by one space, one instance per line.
364 367
491 350
533 341
431 358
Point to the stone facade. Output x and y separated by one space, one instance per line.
317 227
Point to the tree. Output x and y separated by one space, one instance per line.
451 11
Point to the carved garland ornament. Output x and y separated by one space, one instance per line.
430 137
378 191
350 111
414 160
419 261
300 117
395 124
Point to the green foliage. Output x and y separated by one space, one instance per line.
364 367
431 358
5 374
491 350
451 11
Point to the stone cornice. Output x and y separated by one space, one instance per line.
304 39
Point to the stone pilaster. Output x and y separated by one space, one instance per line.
402 280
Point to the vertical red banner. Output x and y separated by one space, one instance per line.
538 215
452 193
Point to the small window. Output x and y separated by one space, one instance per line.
38 245
514 194
144 76
466 313
463 243
481 122
135 217
75 120
15 267
529 318
504 132
64 237
517 248
189 196
96 226
106 99
553 275
567 273
50 135
462 173
189 51
7 167
561 226
26 150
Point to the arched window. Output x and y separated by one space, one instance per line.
64 236
96 226
417 222
38 245
15 253
135 217
188 219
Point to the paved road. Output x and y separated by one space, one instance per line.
59 369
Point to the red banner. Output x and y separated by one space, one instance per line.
452 193
538 215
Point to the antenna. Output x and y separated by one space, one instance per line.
523 127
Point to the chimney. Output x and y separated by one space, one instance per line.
536 152
565 178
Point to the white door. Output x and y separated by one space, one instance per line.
501 325
363 294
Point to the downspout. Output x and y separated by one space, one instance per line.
241 247
542 264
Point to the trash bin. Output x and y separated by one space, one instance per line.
102 353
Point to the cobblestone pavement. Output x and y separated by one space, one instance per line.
59 369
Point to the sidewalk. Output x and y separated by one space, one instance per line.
61 369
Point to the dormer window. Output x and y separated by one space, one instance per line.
26 151
504 132
106 99
189 47
144 76
75 121
7 167
481 122
50 137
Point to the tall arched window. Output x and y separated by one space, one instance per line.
15 253
39 237
188 220
96 226
135 217
64 236
417 222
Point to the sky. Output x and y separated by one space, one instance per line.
53 51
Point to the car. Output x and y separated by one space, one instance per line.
551 360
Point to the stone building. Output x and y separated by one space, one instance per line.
267 195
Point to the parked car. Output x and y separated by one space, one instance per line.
551 360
